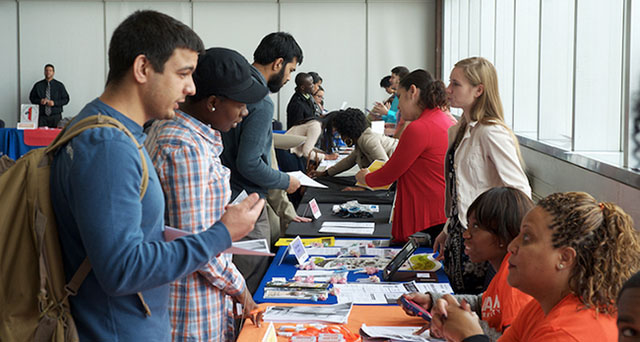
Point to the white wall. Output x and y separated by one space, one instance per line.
352 44
399 33
73 43
9 94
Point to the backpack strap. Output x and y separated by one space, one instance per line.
94 121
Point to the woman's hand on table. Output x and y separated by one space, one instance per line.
361 176
316 173
422 299
301 219
438 245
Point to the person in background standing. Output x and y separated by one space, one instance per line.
483 153
50 95
247 147
186 154
418 161
317 80
302 106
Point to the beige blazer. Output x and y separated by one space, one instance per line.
485 158
369 147
312 130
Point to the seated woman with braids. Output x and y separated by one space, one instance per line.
368 146
572 256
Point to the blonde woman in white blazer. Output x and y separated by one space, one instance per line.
483 153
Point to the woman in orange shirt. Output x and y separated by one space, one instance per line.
494 221
572 256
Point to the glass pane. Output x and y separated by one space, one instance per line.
556 72
634 85
525 85
487 29
504 55
598 86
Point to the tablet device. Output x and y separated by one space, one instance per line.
394 265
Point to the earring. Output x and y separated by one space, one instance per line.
213 109
501 245
560 266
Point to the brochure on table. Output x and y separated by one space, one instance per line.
385 293
375 166
338 313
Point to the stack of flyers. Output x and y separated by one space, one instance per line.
296 290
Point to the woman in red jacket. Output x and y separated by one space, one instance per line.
418 161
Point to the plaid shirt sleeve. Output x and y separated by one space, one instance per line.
195 202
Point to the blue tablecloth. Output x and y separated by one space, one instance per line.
12 143
287 269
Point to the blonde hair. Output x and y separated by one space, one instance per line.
487 108
606 243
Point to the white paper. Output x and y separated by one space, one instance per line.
347 243
305 180
441 288
321 276
249 247
338 313
342 230
374 293
349 224
270 335
240 198
398 333
377 127
322 250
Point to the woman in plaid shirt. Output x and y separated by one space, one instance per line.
186 154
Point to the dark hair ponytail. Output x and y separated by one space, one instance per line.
432 92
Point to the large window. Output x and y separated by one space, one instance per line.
565 68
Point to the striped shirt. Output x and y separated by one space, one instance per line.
186 155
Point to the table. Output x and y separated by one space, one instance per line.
288 269
381 219
14 142
334 193
374 315
326 198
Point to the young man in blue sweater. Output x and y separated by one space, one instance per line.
95 190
